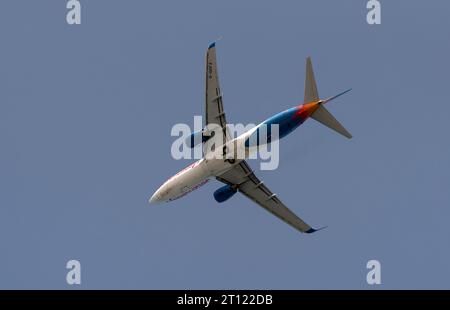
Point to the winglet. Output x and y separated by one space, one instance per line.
312 230
213 44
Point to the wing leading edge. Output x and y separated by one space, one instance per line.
248 184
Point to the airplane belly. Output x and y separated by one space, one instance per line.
216 167
188 180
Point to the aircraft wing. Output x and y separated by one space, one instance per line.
214 112
248 184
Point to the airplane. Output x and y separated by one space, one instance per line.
235 172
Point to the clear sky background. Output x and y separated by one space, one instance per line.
85 119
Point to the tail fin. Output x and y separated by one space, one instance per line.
311 93
322 115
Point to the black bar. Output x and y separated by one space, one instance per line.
228 298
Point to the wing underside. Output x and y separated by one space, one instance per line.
214 112
248 184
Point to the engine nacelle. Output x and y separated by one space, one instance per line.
224 193
196 138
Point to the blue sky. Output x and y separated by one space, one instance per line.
85 119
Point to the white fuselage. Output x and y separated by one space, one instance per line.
200 172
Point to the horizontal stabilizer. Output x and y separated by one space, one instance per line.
323 116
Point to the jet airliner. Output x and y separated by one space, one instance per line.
232 171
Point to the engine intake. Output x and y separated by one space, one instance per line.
224 193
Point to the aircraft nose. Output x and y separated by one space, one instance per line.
155 199
163 194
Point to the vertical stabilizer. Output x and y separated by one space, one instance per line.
311 93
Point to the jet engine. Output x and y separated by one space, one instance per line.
197 138
224 193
